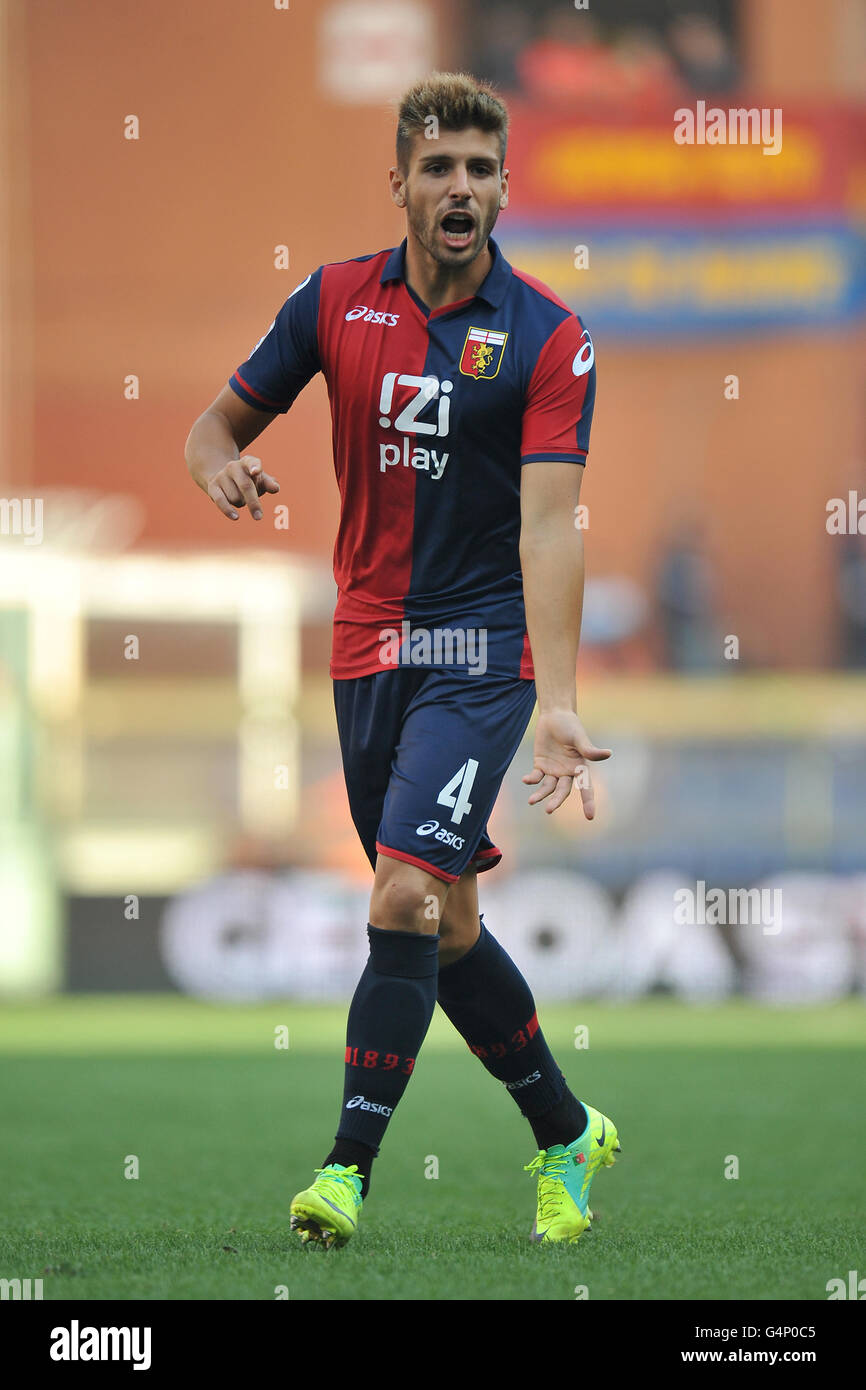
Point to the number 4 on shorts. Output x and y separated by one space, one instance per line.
456 791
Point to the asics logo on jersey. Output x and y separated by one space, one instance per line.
584 357
361 311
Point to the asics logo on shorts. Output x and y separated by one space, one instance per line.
447 837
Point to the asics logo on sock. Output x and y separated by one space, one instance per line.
361 1103
524 1081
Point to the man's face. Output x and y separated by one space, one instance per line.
453 192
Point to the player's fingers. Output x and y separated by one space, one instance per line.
534 776
263 481
240 473
596 755
546 786
216 494
587 793
561 793
232 492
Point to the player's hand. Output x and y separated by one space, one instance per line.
562 750
240 484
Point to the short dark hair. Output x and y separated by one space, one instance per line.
458 101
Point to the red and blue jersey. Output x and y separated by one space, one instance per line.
433 415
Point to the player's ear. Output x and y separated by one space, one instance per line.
397 184
503 194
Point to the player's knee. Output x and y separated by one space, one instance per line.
405 898
458 933
460 925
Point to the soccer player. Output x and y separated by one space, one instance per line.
461 396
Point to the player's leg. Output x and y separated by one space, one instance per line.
406 897
433 817
388 1020
396 994
460 922
491 1005
392 1005
458 738
480 988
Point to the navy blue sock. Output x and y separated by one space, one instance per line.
347 1152
491 1006
388 1021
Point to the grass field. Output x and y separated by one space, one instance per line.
226 1127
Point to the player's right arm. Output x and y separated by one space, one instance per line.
263 387
214 458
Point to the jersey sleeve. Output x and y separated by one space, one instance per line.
287 356
557 412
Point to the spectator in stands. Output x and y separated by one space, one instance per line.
686 602
568 60
645 71
702 53
503 32
851 589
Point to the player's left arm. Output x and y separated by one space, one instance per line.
553 452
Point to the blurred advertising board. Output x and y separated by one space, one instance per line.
642 233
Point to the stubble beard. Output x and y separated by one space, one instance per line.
427 235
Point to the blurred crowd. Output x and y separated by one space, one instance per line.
679 624
556 53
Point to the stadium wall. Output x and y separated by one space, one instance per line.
154 257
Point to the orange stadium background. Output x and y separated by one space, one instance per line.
156 257
153 259
183 895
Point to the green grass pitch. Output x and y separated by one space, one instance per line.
226 1127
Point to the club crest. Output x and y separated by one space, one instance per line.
482 353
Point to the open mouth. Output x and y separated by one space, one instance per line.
458 228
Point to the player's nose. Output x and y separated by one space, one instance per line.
460 182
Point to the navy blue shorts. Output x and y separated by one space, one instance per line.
424 755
